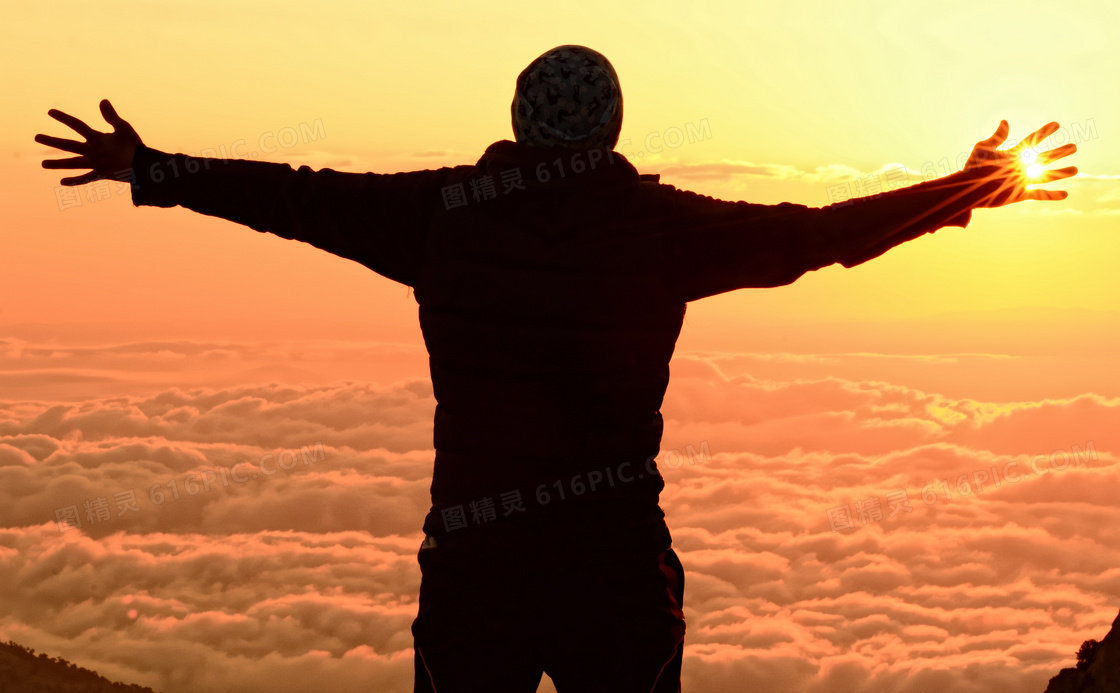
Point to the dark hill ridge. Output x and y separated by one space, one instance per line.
22 671
1098 667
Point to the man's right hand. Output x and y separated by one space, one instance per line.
109 154
1002 175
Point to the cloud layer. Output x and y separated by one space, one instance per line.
306 573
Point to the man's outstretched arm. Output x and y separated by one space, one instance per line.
378 220
722 246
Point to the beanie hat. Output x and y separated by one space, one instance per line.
568 97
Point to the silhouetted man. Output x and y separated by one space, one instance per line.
552 280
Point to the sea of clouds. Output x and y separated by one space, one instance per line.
837 533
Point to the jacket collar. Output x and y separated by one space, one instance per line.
556 167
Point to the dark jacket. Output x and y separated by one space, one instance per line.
552 287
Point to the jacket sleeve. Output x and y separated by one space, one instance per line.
378 220
718 246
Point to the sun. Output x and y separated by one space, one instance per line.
1032 168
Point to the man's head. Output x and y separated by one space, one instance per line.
568 97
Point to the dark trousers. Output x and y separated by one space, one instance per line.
594 620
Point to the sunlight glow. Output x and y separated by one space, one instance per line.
1032 168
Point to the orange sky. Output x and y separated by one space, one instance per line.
141 345
812 94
